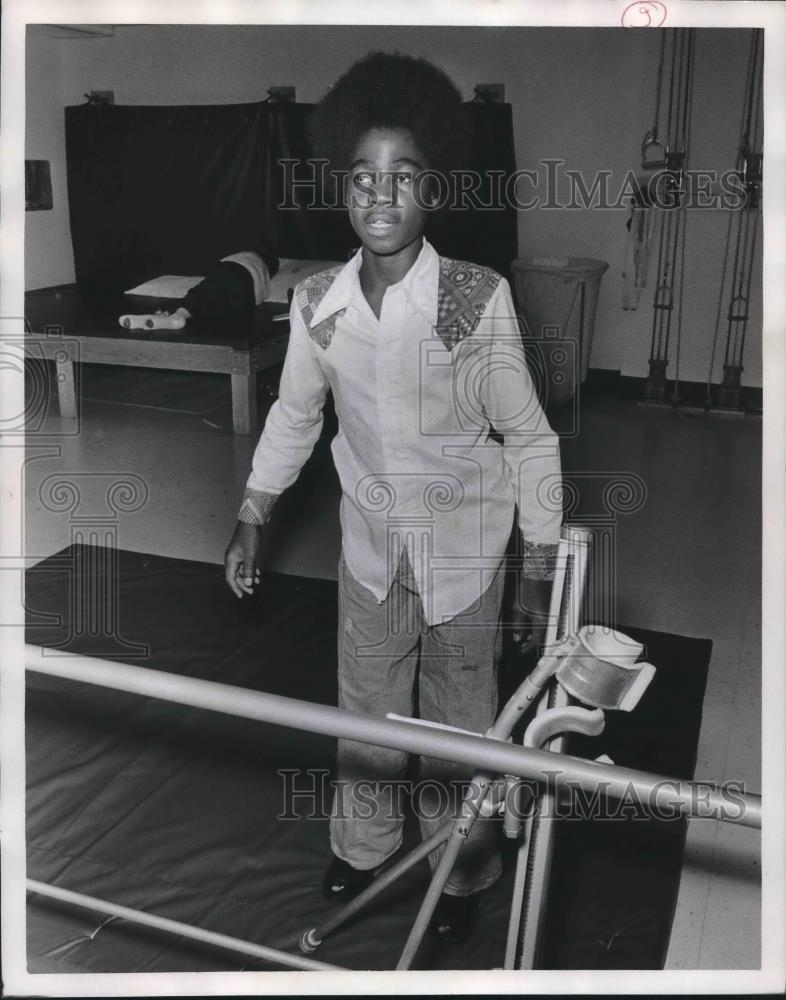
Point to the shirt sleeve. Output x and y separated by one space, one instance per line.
292 427
530 446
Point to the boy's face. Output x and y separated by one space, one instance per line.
383 209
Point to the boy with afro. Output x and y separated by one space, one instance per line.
441 440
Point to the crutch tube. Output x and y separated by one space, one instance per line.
517 901
459 831
430 900
314 937
542 728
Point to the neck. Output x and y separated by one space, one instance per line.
382 270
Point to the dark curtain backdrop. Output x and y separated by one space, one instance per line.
157 190
168 190
484 235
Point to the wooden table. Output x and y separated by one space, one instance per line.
68 326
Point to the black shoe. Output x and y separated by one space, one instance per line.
454 918
342 882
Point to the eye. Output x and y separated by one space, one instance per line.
363 178
403 177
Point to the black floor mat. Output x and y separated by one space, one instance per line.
174 810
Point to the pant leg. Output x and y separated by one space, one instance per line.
458 686
378 647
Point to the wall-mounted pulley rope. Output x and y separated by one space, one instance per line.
667 191
741 239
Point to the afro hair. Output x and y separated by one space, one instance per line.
391 90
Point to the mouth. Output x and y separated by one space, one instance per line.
380 225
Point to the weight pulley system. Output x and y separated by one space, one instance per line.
665 150
741 235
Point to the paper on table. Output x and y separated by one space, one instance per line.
168 286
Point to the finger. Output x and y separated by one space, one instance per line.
239 580
534 641
230 571
245 576
520 628
232 584
528 645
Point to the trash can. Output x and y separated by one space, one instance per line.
557 299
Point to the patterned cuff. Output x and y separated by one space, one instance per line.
538 560
256 507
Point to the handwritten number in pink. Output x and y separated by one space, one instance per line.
644 14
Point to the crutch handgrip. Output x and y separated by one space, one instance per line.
570 719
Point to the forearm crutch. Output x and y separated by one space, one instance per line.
534 854
565 601
564 616
600 668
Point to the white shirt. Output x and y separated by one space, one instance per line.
413 453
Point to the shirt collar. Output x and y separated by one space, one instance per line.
420 284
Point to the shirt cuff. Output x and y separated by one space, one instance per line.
538 560
256 507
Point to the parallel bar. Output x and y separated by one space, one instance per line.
656 792
180 929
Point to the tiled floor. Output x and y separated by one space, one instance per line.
688 561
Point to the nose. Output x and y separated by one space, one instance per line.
385 188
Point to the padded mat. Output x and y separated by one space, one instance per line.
175 810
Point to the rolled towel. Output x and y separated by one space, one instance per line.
153 321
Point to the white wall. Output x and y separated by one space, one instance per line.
48 254
584 96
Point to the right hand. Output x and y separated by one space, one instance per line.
243 558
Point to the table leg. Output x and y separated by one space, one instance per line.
244 402
66 385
